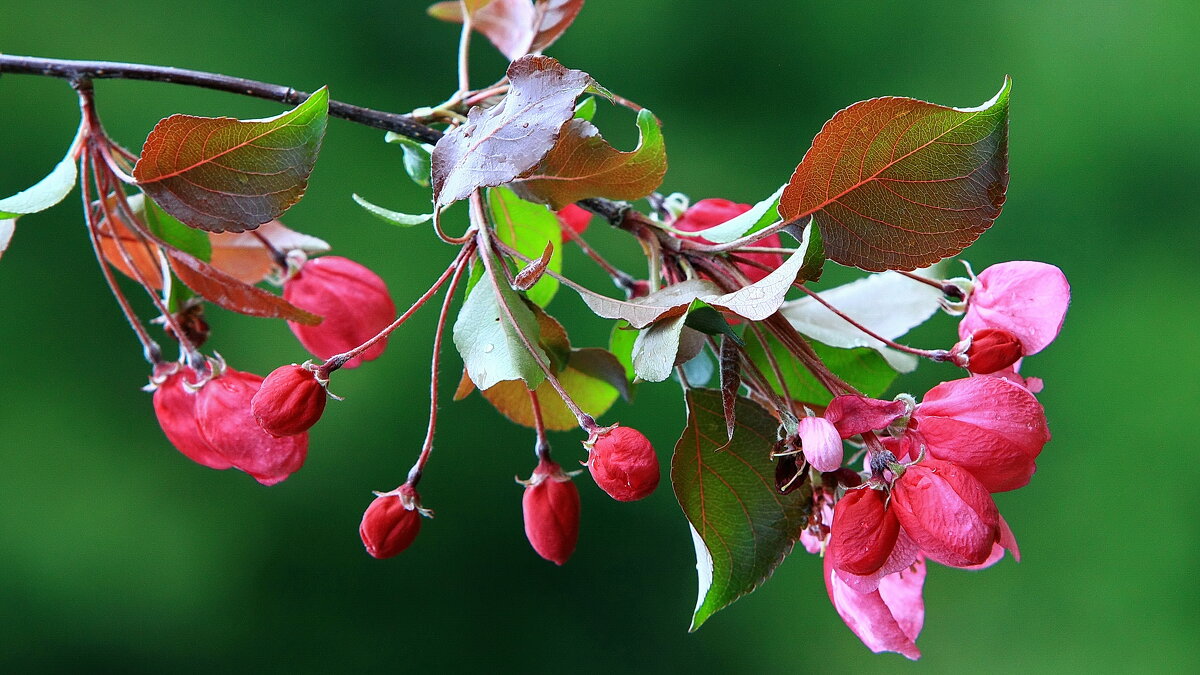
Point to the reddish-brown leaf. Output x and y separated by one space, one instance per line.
529 276
583 165
226 291
896 183
515 27
502 142
555 17
731 380
242 256
226 175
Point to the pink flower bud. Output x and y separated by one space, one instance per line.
391 523
946 512
853 415
1027 299
289 402
821 443
575 218
988 351
551 509
623 464
707 213
888 618
354 301
175 407
990 426
863 533
224 417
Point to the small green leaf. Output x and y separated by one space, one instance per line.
586 109
393 217
527 227
226 175
175 233
46 192
416 157
741 526
862 367
711 322
620 343
488 342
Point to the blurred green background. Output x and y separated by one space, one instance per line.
117 554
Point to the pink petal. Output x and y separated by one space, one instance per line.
1006 542
871 617
902 592
904 554
1027 299
853 415
990 426
821 442
947 512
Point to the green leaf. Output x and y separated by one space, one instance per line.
488 341
741 526
896 183
759 216
620 343
416 157
46 192
586 109
862 367
591 393
393 217
176 233
226 175
711 322
527 227
582 165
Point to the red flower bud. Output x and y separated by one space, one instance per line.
623 464
224 417
354 301
863 532
289 402
947 512
551 508
391 522
175 407
575 218
989 350
709 212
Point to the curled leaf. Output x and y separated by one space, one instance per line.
48 191
529 276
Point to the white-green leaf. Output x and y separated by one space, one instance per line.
8 226
393 217
47 192
759 216
485 336
416 157
656 349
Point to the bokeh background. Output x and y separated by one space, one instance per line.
117 554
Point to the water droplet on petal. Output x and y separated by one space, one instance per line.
488 349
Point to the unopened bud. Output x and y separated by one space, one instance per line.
988 350
391 522
623 463
551 509
289 402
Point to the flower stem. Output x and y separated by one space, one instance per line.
932 354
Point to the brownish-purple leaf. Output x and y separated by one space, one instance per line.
226 291
515 27
896 183
500 143
555 16
529 276
731 380
583 165
226 175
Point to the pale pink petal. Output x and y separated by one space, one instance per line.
821 442
904 554
1027 299
871 619
853 415
988 425
902 592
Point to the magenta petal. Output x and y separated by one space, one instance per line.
990 426
853 415
870 617
821 442
904 554
947 512
1027 299
1006 542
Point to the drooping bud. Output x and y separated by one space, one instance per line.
391 522
623 463
551 509
353 300
290 401
863 532
987 351
575 218
175 407
821 443
991 427
224 417
946 512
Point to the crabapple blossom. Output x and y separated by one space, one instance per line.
821 443
391 522
1027 299
175 407
888 618
947 512
622 462
550 507
290 401
353 300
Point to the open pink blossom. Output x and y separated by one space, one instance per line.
1028 299
821 443
853 415
887 619
863 533
988 425
947 513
